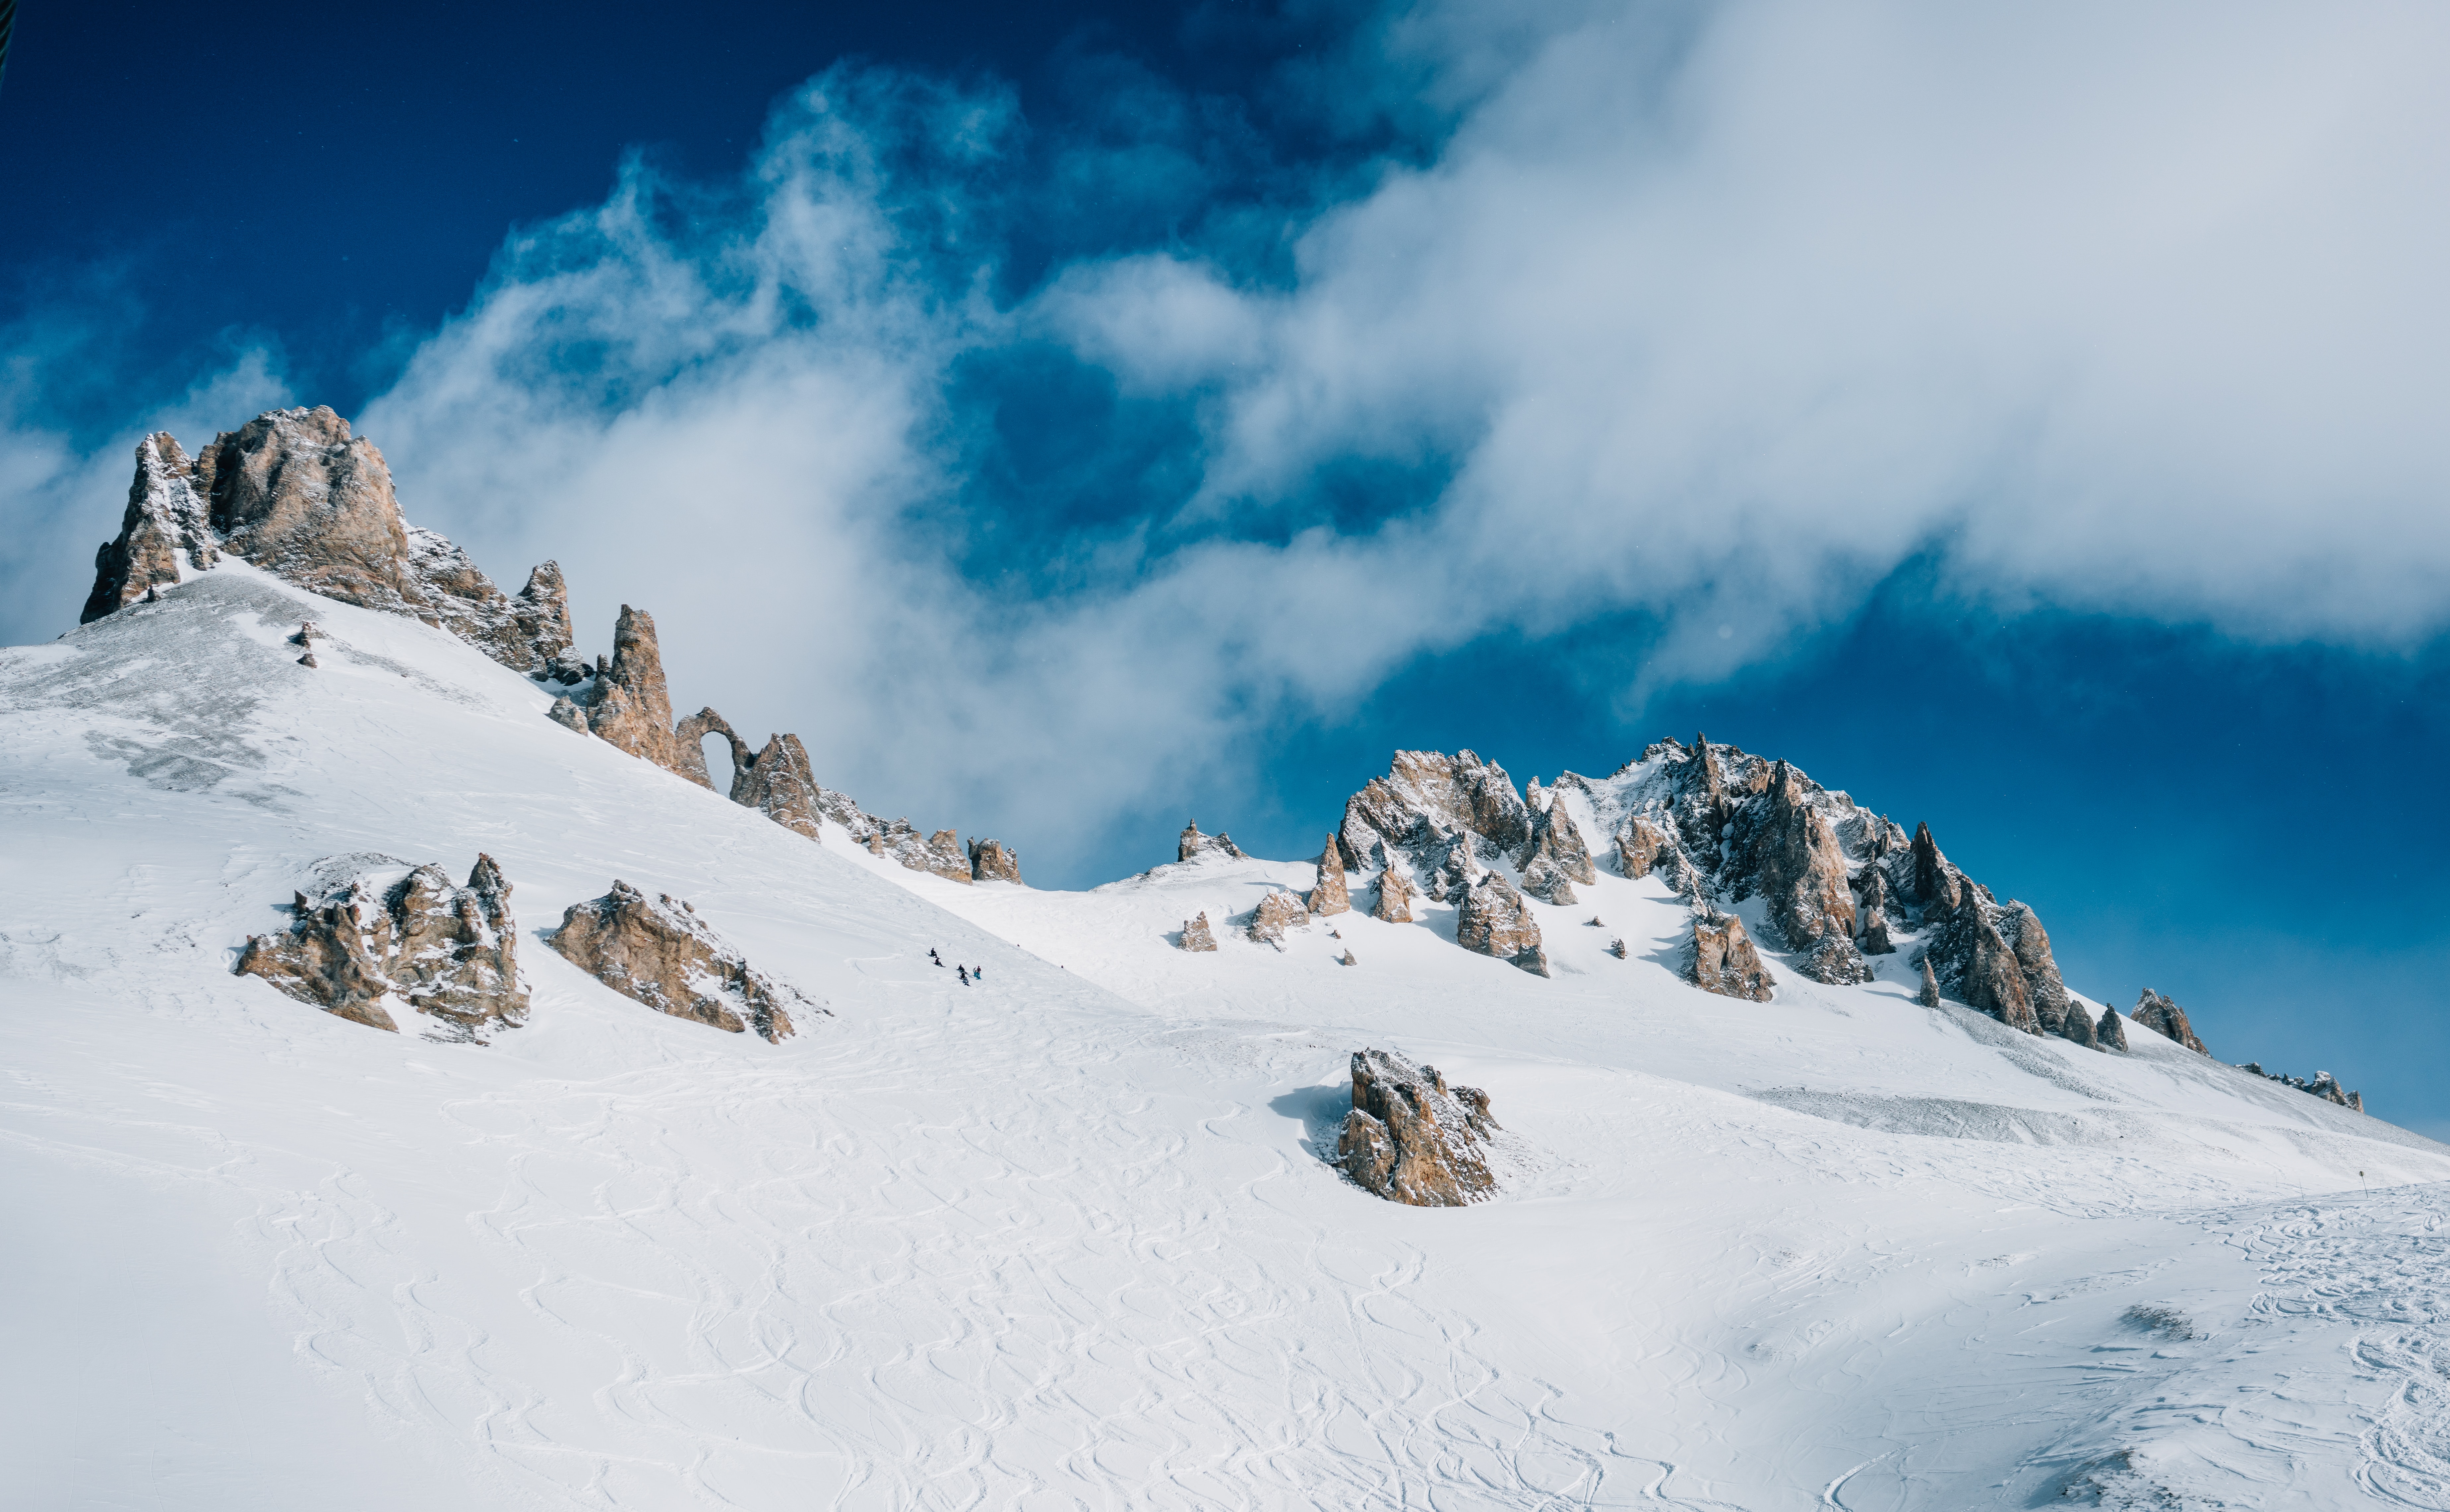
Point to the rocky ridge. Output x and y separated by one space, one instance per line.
296 493
380 934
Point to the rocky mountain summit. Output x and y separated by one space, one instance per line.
294 492
380 934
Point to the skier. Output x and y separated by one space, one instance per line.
932 956
963 971
978 974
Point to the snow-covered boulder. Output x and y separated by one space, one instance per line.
1277 913
1492 920
1411 1137
1196 934
1193 844
660 953
380 934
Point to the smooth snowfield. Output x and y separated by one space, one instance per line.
1064 1238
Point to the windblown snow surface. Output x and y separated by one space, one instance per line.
1065 1238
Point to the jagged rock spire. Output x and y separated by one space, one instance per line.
1328 895
2165 1019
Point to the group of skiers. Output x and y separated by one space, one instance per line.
967 974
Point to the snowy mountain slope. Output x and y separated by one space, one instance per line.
1064 1237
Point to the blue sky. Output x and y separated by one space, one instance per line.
1072 419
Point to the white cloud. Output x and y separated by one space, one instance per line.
1714 314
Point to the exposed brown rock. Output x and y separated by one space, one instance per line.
1934 880
634 710
992 860
1411 1138
1349 957
1491 919
1929 996
2110 1033
1556 843
776 781
661 953
382 934
165 516
1196 935
2048 993
1875 939
1277 913
1725 961
1329 894
1193 844
2077 1025
1427 796
1394 904
1992 980
2165 1019
689 747
1639 845
568 714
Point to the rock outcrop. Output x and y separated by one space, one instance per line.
1411 1138
1492 920
1427 798
380 934
1725 961
1277 913
2325 1086
1394 900
295 493
167 519
1928 996
633 709
661 953
1329 894
2167 1019
2110 1032
992 860
776 781
1196 935
1193 844
1639 845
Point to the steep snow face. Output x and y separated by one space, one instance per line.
1067 1233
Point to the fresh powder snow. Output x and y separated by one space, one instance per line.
1071 1236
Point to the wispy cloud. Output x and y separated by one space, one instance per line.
1712 314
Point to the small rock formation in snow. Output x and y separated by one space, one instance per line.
568 715
1492 920
380 934
2165 1019
1277 913
992 860
661 953
2110 1033
1193 844
2325 1086
776 781
1725 961
1929 996
1348 956
1394 904
1328 896
1196 935
1411 1137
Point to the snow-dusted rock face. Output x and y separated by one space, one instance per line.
380 934
1411 1137
2167 1019
165 517
994 861
1490 919
1424 801
1328 895
1193 844
660 953
1556 857
1277 913
1394 899
1838 886
2110 1032
295 493
1723 960
2325 1086
1196 934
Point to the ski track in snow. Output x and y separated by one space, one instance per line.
1064 1240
